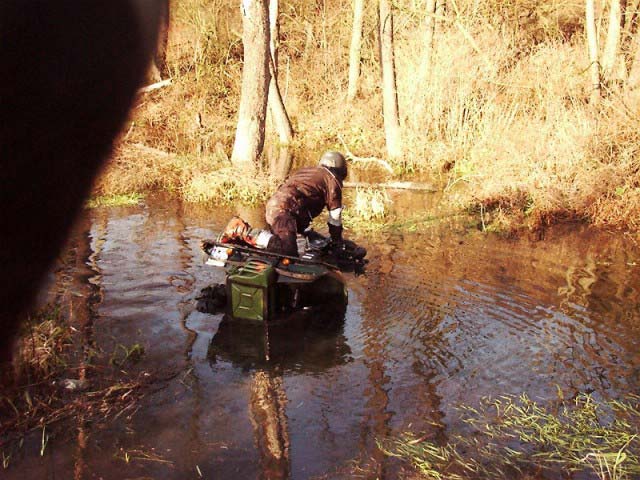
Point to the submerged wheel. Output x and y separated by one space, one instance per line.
212 299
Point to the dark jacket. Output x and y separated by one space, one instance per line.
304 195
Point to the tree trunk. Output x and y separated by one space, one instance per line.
249 139
280 162
158 69
592 45
274 30
427 54
633 81
279 114
389 91
355 50
610 60
630 16
424 70
163 40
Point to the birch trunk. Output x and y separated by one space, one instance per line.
274 31
592 46
280 162
355 50
249 139
279 113
430 24
267 409
389 91
424 70
612 44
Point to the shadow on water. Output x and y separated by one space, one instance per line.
440 318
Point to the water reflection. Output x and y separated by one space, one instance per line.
304 342
82 283
269 419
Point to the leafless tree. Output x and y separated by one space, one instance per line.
389 90
355 50
592 46
159 65
424 69
610 55
630 18
249 139
633 80
430 25
279 113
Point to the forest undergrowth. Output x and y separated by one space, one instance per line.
501 122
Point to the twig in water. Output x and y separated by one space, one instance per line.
155 86
350 156
45 440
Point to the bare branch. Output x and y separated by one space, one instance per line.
155 86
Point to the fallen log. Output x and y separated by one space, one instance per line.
393 185
155 86
355 159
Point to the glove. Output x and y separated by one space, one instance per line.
236 229
207 246
336 234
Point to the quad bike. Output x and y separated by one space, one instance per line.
264 286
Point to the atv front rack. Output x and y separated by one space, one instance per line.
227 251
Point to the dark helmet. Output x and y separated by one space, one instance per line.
336 163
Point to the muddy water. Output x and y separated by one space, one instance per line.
440 318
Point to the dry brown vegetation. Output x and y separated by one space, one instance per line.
52 380
502 121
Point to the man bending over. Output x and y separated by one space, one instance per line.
301 198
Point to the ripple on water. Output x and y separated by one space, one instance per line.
489 317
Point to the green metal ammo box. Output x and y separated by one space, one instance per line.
251 291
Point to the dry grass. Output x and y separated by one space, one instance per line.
511 132
44 345
51 381
371 204
225 186
115 200
501 120
203 179
368 211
